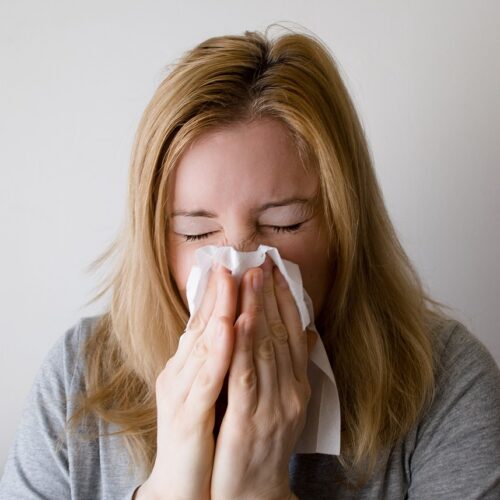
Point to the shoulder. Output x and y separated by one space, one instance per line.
455 339
63 363
457 447
39 459
464 364
60 375
72 339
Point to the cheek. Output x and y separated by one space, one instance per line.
314 268
181 260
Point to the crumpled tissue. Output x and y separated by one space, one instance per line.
321 433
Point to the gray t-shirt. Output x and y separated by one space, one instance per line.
452 453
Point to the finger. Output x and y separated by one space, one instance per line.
197 323
297 338
207 384
263 350
242 383
277 329
199 319
219 298
225 303
224 310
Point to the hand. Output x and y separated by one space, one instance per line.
268 392
186 392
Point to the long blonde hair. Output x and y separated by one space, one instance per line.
378 322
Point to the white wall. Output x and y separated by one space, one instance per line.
75 78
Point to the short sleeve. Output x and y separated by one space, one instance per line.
457 453
37 462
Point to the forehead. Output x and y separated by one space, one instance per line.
242 164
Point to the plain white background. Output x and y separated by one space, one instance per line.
76 76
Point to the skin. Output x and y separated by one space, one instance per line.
233 172
251 335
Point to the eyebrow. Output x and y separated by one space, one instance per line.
307 202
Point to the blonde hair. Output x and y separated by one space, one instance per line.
377 323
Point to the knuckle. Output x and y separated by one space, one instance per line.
199 348
197 322
257 308
296 407
220 323
204 378
247 379
249 321
268 289
223 320
265 349
279 331
245 343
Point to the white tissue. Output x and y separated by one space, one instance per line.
321 432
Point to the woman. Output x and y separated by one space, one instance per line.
250 141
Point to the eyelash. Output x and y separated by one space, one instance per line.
278 229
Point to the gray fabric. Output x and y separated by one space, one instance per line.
454 452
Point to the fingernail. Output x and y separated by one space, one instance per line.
257 280
215 266
280 279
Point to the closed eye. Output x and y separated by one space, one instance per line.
278 229
286 229
194 237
